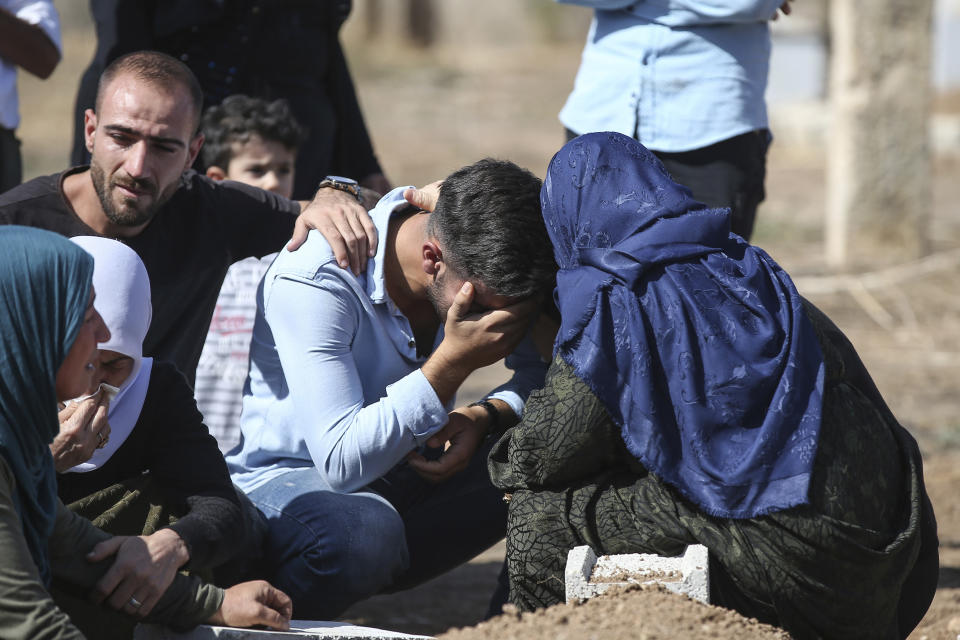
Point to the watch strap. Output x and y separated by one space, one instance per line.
340 184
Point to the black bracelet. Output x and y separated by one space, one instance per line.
493 413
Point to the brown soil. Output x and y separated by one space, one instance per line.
635 577
432 111
647 613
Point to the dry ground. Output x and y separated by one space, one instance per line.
431 112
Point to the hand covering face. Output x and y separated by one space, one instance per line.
695 341
44 293
123 300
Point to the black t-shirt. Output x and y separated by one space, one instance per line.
187 248
171 443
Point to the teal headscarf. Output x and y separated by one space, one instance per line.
44 290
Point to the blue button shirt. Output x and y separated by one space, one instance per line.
676 74
335 380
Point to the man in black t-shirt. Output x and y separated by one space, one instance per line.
143 137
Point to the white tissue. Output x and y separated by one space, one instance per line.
109 393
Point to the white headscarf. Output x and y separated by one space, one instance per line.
123 299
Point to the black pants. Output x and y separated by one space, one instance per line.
11 171
729 173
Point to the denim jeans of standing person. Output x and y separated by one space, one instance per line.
328 550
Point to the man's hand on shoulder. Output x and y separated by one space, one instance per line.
142 570
343 222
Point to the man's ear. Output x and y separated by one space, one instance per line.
89 128
194 149
432 257
216 173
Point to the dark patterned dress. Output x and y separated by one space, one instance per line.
859 561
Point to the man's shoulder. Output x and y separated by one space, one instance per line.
203 202
39 203
29 191
315 265
194 185
310 260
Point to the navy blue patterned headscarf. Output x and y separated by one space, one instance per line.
44 292
695 341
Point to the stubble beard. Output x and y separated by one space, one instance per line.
434 295
129 216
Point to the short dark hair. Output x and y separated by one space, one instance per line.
238 118
158 69
489 223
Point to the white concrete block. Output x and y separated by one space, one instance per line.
587 575
299 630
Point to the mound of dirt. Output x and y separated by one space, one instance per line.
639 612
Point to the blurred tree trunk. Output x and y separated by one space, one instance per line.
879 165
421 22
373 18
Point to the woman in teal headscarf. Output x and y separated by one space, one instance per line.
696 397
49 330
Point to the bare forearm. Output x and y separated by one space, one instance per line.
445 374
27 46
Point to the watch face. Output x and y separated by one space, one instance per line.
342 179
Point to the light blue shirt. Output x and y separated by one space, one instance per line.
676 74
335 380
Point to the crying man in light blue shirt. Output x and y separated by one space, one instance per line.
368 474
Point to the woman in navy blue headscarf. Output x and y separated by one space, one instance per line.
49 330
696 397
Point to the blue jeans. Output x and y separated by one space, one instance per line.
328 550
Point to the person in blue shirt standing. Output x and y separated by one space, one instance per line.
351 445
686 78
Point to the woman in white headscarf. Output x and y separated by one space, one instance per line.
158 473
123 374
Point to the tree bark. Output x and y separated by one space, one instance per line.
879 165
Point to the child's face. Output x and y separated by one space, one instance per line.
263 163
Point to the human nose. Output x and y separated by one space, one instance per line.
135 163
102 333
270 181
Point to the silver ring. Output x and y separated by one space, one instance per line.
136 604
100 435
